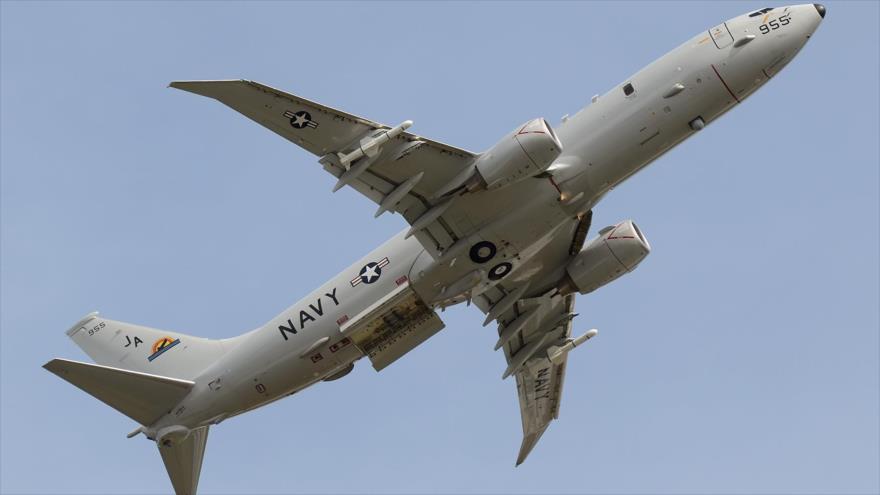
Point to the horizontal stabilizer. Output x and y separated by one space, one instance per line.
183 461
140 396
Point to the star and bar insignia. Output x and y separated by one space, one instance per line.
301 119
370 272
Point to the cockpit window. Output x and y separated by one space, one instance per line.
628 89
759 12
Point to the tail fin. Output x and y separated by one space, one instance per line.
183 461
142 397
144 349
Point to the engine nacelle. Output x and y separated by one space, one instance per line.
619 249
525 152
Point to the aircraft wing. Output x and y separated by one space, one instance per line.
534 322
538 380
404 174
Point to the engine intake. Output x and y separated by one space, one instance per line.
617 250
525 152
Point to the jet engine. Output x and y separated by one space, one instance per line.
525 152
617 250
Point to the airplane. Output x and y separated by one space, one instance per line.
504 230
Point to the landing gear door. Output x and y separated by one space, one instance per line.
721 36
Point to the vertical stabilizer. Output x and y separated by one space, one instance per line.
143 349
183 460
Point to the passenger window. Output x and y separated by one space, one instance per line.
628 89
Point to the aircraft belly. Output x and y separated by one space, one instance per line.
303 344
509 239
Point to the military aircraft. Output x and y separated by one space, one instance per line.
504 230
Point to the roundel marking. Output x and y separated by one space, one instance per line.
500 270
483 251
300 119
370 272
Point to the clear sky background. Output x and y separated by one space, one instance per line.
742 355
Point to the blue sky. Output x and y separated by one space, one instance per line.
741 357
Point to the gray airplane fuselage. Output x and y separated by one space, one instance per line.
605 143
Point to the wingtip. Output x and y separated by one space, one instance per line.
188 86
528 443
206 87
183 85
54 366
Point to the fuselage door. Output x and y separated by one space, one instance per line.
721 36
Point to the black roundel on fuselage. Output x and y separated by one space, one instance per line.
500 270
370 273
483 251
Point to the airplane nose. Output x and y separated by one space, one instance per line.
820 8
